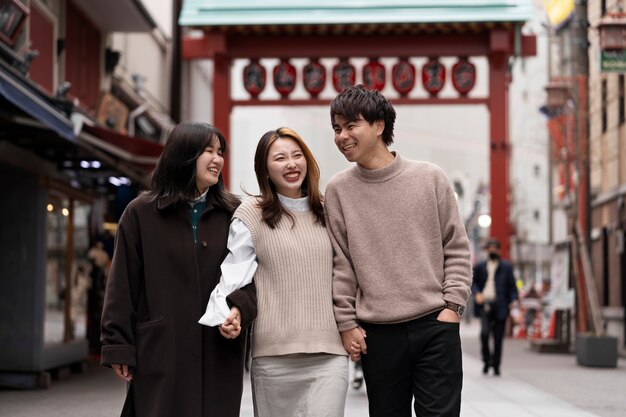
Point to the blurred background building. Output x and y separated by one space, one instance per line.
84 109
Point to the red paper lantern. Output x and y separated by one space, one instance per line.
403 77
463 76
374 75
344 75
433 76
254 76
284 78
314 77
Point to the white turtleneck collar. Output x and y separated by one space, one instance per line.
295 204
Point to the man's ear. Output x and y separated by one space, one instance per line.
380 127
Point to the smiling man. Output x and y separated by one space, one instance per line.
402 272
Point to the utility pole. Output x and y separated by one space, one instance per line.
580 61
580 204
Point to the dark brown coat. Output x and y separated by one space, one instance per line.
158 288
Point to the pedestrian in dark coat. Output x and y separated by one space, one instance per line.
169 247
494 291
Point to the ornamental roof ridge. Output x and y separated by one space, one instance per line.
331 12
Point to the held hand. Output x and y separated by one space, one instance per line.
231 328
122 372
448 316
478 298
354 342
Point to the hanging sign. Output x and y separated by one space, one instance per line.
613 61
403 77
374 75
314 77
344 75
463 76
284 78
433 76
254 78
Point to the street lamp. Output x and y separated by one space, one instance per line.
484 221
558 93
612 28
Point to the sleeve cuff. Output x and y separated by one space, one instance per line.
241 300
343 327
118 354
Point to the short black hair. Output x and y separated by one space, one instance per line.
357 101
174 176
493 242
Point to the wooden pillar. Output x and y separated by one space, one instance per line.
222 105
68 328
499 154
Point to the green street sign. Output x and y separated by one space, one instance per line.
613 61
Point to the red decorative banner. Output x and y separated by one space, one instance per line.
254 78
374 75
463 76
403 76
284 78
344 75
314 77
433 76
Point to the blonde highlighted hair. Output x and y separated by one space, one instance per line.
272 208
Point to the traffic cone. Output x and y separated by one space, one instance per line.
552 328
521 332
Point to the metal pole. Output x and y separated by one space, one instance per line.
68 332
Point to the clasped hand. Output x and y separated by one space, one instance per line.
354 342
231 328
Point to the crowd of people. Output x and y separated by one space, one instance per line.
377 270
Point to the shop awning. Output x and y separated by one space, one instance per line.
24 98
118 15
134 150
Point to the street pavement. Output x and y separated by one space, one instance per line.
532 385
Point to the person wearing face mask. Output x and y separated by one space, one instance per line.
494 291
170 243
299 366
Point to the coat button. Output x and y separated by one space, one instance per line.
204 244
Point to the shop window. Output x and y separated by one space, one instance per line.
12 17
67 244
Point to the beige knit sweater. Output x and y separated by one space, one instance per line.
401 250
294 285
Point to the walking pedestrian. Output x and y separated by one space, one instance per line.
169 247
100 263
494 292
299 367
402 267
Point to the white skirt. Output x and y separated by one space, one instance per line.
299 385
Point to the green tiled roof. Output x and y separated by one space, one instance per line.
334 12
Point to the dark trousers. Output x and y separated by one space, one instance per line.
419 359
491 325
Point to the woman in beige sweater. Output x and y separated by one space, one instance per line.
299 366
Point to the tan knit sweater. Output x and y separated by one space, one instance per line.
401 249
294 285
